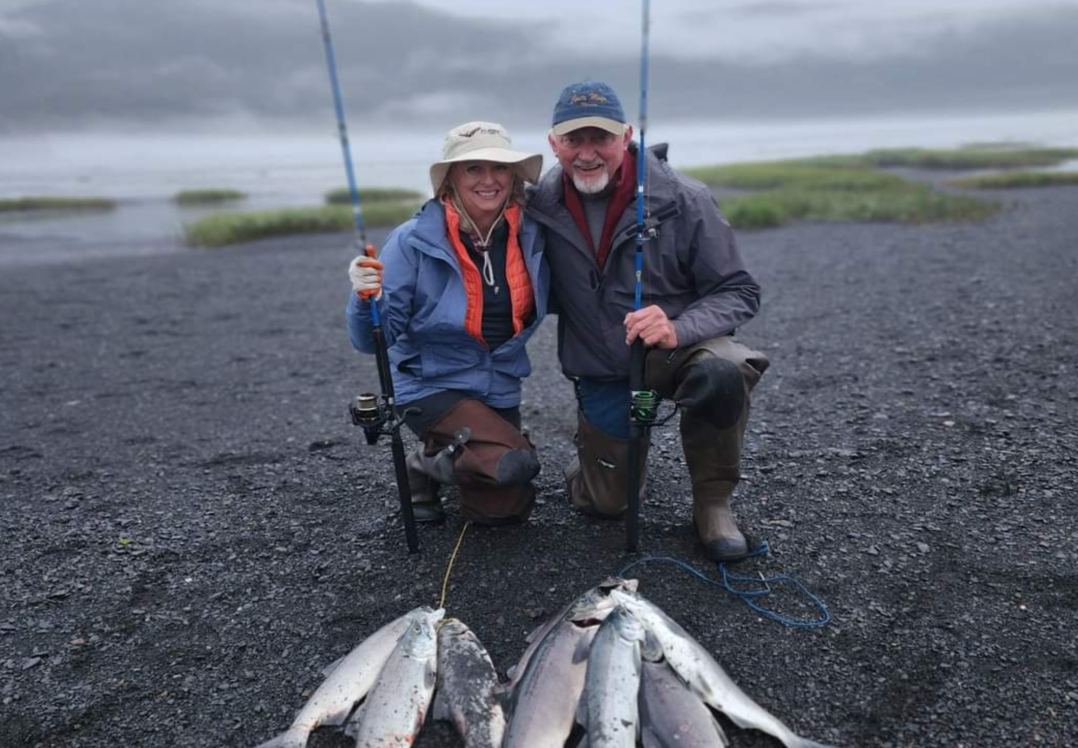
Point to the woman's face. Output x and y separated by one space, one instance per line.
483 188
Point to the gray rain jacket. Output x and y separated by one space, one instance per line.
692 269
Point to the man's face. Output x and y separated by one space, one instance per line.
590 156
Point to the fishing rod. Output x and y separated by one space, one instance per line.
376 418
644 406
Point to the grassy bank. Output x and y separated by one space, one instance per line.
235 228
806 189
208 197
980 156
1017 179
342 196
36 203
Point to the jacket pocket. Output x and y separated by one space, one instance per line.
441 359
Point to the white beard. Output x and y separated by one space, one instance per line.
592 185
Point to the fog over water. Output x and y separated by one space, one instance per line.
144 170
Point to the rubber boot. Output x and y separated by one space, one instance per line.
713 458
598 479
426 505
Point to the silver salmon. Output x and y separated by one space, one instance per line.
595 599
397 704
704 676
672 716
609 708
465 690
544 702
347 681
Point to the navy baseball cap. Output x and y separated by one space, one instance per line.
588 104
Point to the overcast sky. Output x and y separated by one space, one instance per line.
66 64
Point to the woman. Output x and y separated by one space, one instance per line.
460 289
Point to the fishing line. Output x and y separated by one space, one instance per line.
452 560
747 595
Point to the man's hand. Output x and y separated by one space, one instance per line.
366 276
651 325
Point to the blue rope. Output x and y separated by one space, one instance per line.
746 595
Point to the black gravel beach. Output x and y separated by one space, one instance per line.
192 528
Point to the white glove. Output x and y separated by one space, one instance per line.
366 276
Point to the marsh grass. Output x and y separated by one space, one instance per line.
975 156
915 204
235 228
1017 179
342 196
836 188
41 203
208 197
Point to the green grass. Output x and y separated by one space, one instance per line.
35 203
342 196
1017 179
235 228
208 197
767 175
912 204
981 157
804 189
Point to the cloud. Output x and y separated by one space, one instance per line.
196 61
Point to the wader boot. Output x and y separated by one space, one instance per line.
713 457
598 479
712 381
426 506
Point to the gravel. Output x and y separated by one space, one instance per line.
192 529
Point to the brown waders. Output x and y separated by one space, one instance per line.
485 456
712 380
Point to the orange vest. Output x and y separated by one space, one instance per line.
516 274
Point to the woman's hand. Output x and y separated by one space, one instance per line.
366 275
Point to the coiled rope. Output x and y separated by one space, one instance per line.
749 595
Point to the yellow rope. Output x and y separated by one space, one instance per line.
452 559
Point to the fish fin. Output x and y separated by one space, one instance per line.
331 667
352 728
511 671
582 711
290 738
502 695
583 647
583 741
534 633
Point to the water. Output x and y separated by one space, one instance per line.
143 171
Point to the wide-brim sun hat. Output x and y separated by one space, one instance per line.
483 141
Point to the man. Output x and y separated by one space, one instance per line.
696 294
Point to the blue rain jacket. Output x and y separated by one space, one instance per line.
422 313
